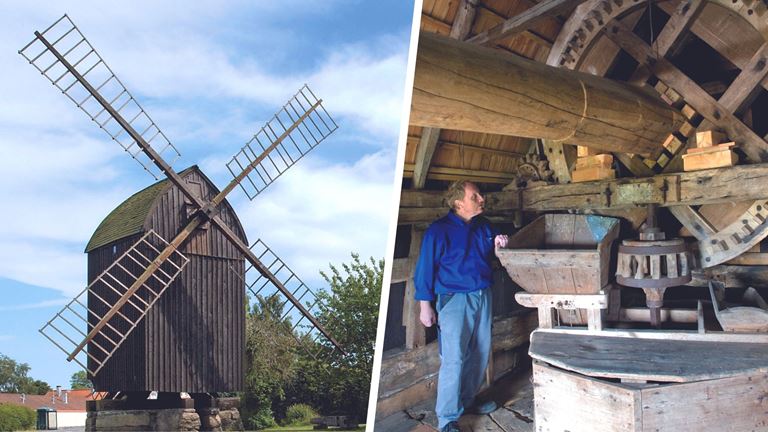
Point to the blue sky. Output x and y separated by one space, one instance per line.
210 74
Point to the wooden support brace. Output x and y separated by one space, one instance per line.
415 333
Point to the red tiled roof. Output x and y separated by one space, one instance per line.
75 400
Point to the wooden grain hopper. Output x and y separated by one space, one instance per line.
561 254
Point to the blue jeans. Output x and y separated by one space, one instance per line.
464 322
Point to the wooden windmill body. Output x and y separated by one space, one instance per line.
165 306
193 338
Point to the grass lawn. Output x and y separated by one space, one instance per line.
308 428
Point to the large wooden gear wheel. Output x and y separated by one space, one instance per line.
582 45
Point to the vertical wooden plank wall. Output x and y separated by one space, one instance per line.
193 339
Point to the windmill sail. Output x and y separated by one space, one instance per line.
261 287
63 55
69 328
298 127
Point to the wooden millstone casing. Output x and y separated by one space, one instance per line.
193 339
466 87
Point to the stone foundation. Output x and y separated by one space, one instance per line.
184 419
115 415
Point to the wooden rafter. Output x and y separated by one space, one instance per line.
524 21
424 152
462 24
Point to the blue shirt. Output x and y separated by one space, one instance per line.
455 257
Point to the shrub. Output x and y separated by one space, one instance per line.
299 414
14 418
259 419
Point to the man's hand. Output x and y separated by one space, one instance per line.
501 241
427 315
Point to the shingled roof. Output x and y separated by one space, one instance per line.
128 218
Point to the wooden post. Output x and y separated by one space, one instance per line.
462 86
415 333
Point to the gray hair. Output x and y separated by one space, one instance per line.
456 192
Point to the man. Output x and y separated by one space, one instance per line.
455 266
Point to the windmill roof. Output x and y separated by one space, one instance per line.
128 218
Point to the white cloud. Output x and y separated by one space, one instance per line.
317 215
45 264
38 305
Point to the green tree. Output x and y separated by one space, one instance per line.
270 360
335 383
36 387
12 374
350 312
14 379
79 381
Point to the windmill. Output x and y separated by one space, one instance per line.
118 299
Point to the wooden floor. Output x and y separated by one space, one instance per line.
514 394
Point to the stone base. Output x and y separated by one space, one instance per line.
185 419
222 416
230 419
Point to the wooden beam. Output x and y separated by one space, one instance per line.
445 173
524 21
743 182
747 84
733 276
690 217
738 183
415 333
750 258
671 36
560 157
399 270
465 16
465 87
754 146
424 152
